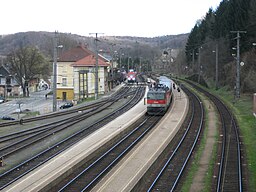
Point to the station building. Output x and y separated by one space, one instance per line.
76 74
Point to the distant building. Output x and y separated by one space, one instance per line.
165 62
8 84
76 74
33 84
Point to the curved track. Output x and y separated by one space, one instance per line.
166 172
18 171
19 140
230 173
88 175
66 112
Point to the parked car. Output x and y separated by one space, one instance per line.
66 105
2 99
7 118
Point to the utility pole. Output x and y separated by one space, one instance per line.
193 60
54 86
96 65
217 67
140 69
128 67
112 64
199 64
238 62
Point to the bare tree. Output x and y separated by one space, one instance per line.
26 63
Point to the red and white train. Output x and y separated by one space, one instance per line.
131 76
159 96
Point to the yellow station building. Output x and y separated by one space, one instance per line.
76 74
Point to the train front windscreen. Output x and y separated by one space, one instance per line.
155 96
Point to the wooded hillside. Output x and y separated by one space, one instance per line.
218 31
129 45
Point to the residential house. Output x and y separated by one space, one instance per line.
8 84
76 74
165 61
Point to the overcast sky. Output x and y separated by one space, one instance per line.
144 18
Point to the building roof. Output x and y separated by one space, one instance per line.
3 72
107 58
90 60
82 56
75 54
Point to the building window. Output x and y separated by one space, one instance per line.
64 81
8 80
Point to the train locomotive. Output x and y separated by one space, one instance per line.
131 76
159 96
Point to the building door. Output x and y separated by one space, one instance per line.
64 96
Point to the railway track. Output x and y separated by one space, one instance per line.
166 172
46 131
75 116
169 177
16 141
65 112
27 165
230 170
87 176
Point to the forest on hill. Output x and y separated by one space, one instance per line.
214 42
29 55
131 46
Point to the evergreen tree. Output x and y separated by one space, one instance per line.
215 28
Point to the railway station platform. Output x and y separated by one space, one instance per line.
54 168
133 166
125 175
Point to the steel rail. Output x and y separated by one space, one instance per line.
168 161
51 129
109 151
230 129
53 147
60 113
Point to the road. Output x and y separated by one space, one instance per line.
36 102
